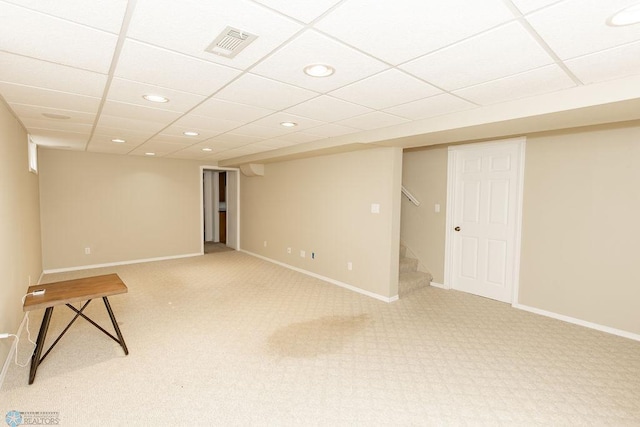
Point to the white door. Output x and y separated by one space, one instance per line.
485 184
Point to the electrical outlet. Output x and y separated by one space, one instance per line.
349 266
87 251
288 250
265 243
303 254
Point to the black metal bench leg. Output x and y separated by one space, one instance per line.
115 325
35 358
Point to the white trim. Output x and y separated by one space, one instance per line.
579 322
326 279
438 285
12 351
451 167
113 264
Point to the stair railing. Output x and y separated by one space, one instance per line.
410 196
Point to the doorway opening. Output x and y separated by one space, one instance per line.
220 209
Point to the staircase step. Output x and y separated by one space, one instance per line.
408 264
403 251
412 281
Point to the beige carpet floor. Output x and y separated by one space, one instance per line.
229 339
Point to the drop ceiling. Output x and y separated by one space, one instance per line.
403 68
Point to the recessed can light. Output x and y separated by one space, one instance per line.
627 16
149 154
207 149
155 98
319 70
190 133
289 124
118 141
56 116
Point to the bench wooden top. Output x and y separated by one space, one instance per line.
70 291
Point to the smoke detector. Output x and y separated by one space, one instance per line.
230 42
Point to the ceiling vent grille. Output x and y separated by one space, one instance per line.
230 42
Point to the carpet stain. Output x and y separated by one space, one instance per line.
312 338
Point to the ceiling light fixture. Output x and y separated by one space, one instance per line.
56 116
289 124
155 98
190 133
149 154
207 149
118 141
627 16
319 70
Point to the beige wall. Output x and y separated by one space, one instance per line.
580 225
123 207
20 250
424 174
323 205
580 230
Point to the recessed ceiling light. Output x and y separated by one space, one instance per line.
149 154
155 98
118 141
627 16
319 70
190 133
207 149
288 124
56 116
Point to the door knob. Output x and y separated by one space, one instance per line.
457 228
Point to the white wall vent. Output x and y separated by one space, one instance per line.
230 42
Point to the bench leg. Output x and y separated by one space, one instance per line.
35 358
115 325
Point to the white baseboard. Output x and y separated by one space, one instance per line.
113 264
326 279
579 322
12 352
438 285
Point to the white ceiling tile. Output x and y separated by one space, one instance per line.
55 39
230 110
261 132
160 148
299 137
503 51
138 112
305 11
331 130
399 30
275 120
431 107
576 27
609 64
32 72
20 94
177 131
399 88
106 15
60 125
311 47
104 134
110 148
190 154
274 143
148 64
37 112
542 80
129 123
131 92
191 27
172 140
265 93
328 109
233 139
106 140
373 120
527 6
212 124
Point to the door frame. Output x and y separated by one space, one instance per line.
219 169
452 163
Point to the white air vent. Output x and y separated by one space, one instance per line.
230 42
